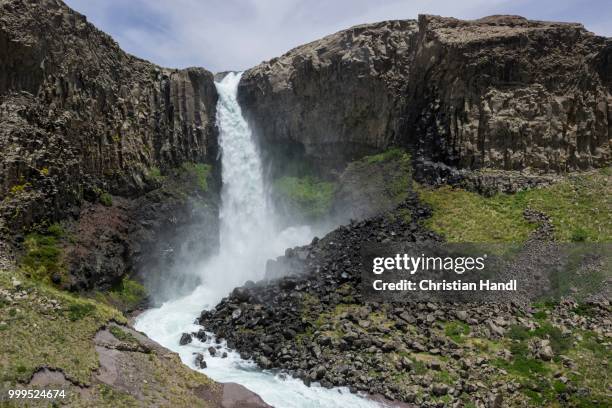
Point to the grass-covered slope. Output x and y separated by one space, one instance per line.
42 326
580 209
52 339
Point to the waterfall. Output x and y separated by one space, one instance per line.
248 238
243 212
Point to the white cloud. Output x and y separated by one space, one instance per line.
233 34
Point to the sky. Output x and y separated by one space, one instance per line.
237 34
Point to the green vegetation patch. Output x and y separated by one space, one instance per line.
463 216
393 154
457 331
122 335
200 173
127 295
312 197
538 378
155 174
47 327
19 188
579 207
106 199
78 310
43 256
50 328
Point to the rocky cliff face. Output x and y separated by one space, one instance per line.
335 97
82 120
501 92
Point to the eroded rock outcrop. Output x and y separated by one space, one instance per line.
335 98
81 120
501 92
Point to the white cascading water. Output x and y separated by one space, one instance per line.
247 240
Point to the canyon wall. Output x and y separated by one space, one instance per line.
82 123
501 92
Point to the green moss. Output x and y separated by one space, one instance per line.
376 184
155 174
127 295
43 256
599 350
559 342
310 196
456 330
584 310
106 199
445 377
523 365
397 165
56 230
579 235
419 367
392 154
122 335
19 188
199 172
559 387
579 208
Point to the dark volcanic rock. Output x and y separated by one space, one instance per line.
320 328
502 92
272 318
185 339
199 361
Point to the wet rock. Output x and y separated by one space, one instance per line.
199 360
241 294
185 339
264 362
201 335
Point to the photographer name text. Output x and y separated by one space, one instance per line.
456 285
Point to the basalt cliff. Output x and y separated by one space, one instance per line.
501 92
90 133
